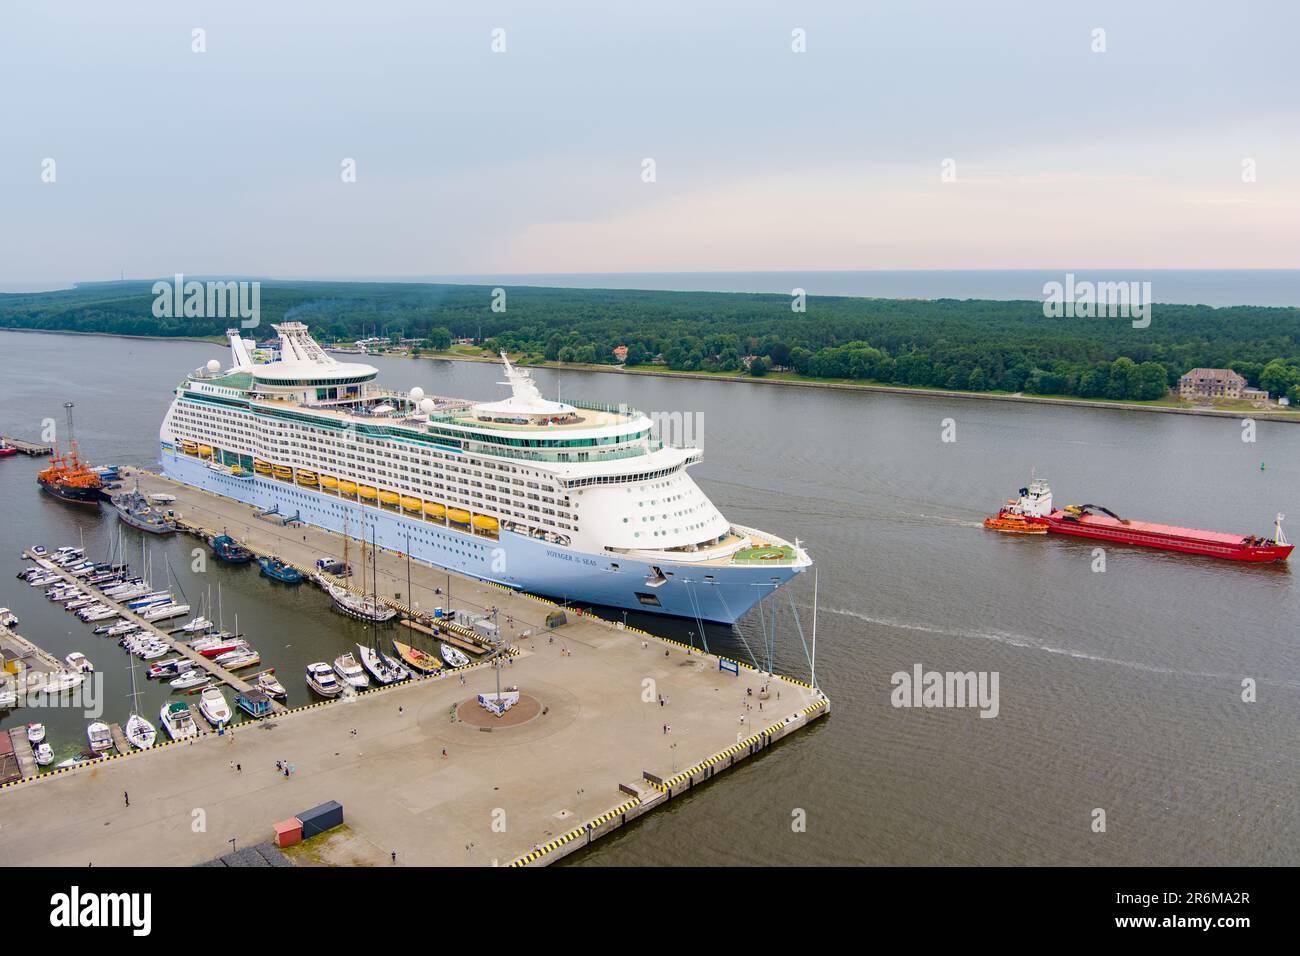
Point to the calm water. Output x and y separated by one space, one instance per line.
1118 690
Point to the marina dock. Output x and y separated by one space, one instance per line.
218 672
34 659
612 723
34 449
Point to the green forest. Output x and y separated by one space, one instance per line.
976 345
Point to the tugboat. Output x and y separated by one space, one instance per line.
68 478
229 550
277 570
1026 514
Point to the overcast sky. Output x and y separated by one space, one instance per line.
229 161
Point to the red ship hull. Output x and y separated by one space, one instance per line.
1212 544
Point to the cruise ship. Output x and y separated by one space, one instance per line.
575 501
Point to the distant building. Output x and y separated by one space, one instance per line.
620 353
1208 383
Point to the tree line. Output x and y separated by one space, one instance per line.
973 345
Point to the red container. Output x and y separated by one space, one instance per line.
288 832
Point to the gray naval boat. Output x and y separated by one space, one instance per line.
135 509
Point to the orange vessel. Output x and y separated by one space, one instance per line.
1026 514
68 478
1010 522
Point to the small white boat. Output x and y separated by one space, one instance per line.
140 732
125 627
75 761
100 737
151 652
171 668
44 755
37 551
350 672
191 678
269 685
8 618
35 733
213 706
76 661
178 721
163 612
57 682
197 624
321 679
452 655
97 614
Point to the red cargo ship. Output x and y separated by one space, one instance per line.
1083 521
1092 521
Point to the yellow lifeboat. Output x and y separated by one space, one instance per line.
365 491
327 482
190 447
390 497
348 487
411 504
205 451
261 467
485 523
307 478
434 510
284 472
458 515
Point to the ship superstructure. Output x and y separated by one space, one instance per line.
573 500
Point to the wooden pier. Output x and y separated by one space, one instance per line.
212 667
119 738
23 751
17 647
32 448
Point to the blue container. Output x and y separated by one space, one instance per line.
319 819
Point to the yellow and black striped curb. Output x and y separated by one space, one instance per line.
576 832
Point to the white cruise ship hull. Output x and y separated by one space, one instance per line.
718 593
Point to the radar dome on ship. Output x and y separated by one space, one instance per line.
214 365
417 393
426 405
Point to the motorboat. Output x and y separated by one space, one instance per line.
151 652
44 755
59 681
37 551
100 736
35 733
125 627
382 668
191 678
170 668
322 680
350 672
8 618
270 685
453 656
277 570
76 661
197 625
214 707
178 720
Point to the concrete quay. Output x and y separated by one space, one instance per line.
613 723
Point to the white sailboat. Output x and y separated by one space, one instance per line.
139 731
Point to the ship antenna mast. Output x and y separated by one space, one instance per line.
1278 536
